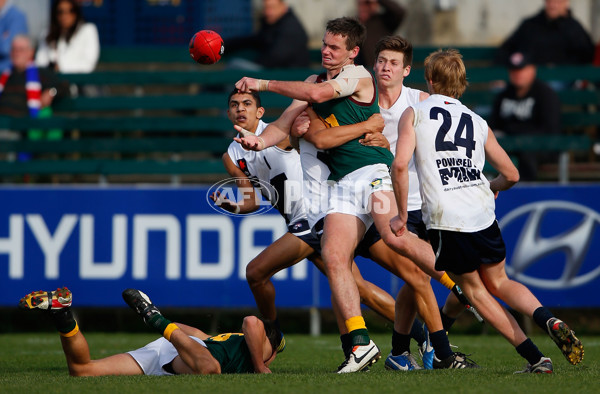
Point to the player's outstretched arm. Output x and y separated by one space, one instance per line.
275 132
323 137
259 346
405 148
248 203
499 159
299 90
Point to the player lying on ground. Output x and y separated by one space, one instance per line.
182 350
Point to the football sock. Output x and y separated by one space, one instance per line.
446 281
529 351
346 344
541 315
447 321
169 330
440 343
358 331
65 322
163 325
400 343
417 333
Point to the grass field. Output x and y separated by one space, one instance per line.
34 363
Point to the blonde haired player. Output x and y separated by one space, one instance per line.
451 144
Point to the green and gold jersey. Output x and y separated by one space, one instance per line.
351 155
231 351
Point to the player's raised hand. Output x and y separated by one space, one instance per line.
247 85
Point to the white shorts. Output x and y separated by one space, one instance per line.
155 355
352 193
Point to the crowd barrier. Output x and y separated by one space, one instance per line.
176 245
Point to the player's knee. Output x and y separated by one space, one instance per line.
254 274
206 367
395 243
416 278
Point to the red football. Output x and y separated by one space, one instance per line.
206 47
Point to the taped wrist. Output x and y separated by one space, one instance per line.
263 85
261 143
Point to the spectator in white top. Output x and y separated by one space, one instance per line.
72 45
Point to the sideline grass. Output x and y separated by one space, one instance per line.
34 363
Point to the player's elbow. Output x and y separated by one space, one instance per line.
321 94
398 167
512 176
320 143
207 368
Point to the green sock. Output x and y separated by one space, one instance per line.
158 322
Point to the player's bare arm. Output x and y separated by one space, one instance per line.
299 90
323 137
404 151
248 203
499 159
276 131
258 344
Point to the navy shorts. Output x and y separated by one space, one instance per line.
302 230
460 253
414 224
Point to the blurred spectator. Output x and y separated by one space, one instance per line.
381 18
24 88
28 91
281 40
12 22
551 37
527 106
71 45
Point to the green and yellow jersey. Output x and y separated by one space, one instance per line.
231 351
351 155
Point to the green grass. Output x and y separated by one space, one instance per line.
34 363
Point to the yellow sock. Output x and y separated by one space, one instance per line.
446 281
355 323
169 330
70 333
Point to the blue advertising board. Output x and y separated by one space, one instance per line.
173 243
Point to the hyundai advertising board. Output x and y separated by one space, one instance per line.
172 243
